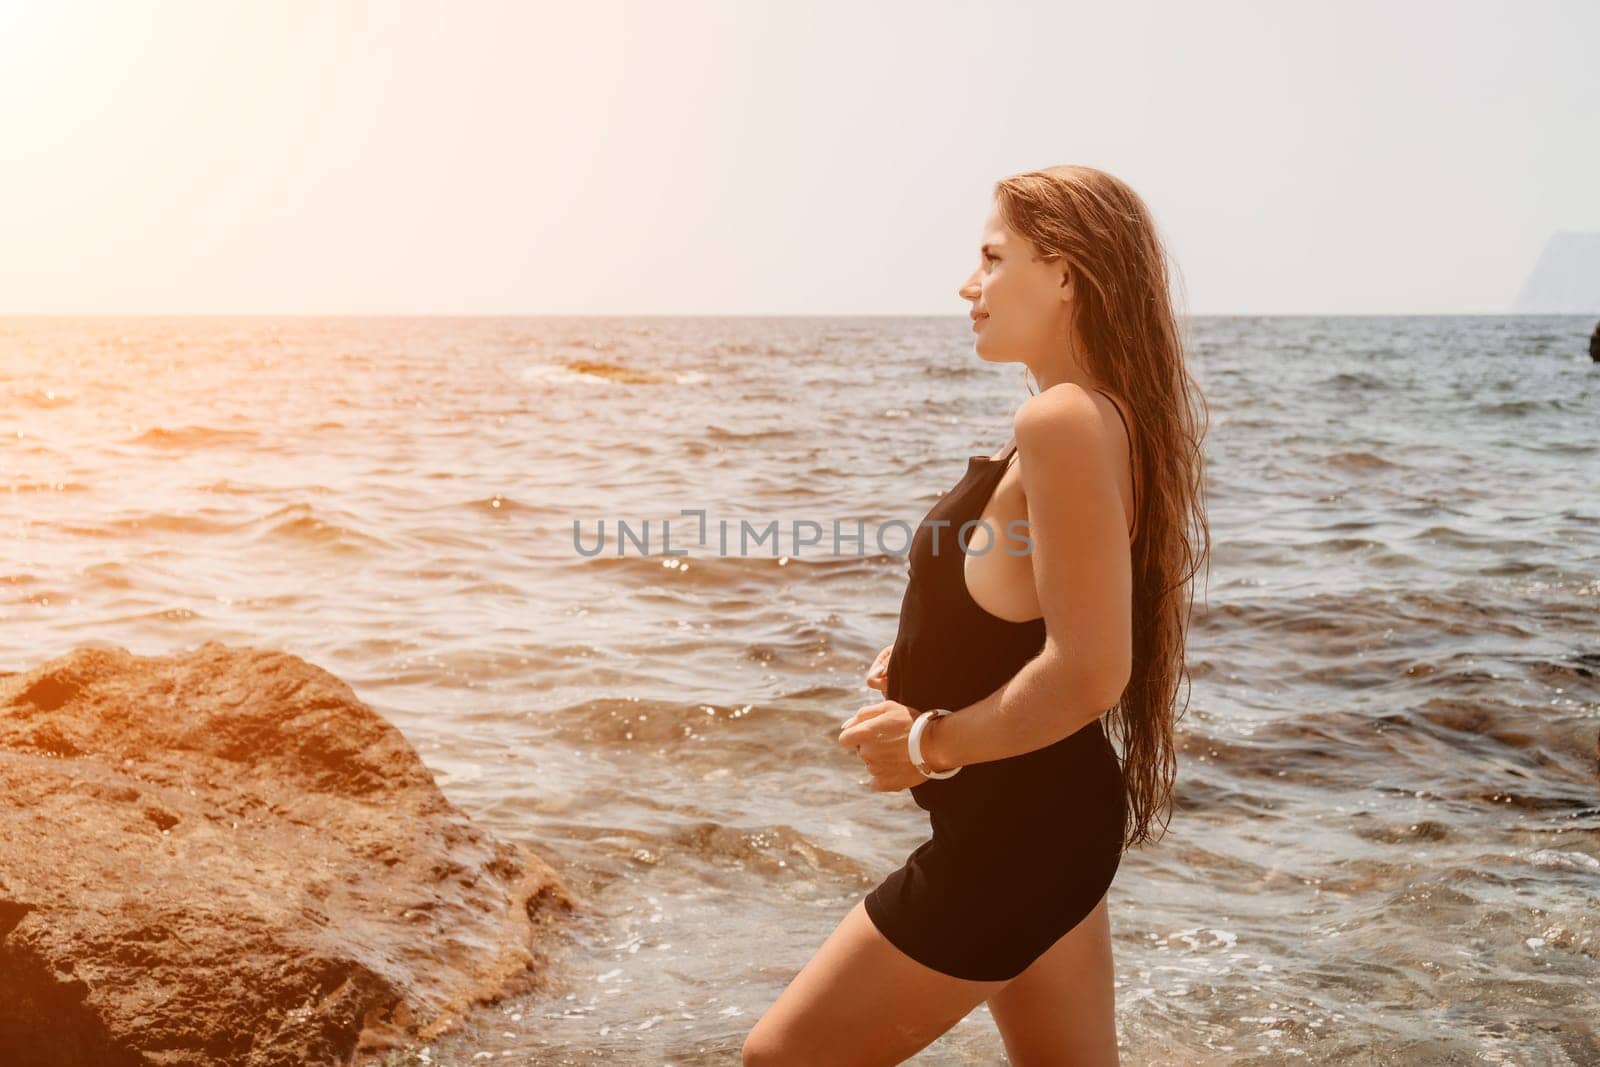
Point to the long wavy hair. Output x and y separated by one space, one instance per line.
1124 317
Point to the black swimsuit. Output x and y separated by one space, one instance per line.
1024 847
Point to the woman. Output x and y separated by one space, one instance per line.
1005 661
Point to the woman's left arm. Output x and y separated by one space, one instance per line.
1082 570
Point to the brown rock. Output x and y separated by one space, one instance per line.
617 373
225 857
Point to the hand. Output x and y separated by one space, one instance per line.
878 675
878 734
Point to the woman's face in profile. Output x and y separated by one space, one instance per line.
1020 298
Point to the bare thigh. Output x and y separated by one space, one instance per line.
860 1002
1062 1009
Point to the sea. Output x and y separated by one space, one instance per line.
542 548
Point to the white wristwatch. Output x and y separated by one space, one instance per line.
914 744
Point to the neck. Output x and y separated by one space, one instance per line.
1062 363
1051 376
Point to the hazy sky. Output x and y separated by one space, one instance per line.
773 158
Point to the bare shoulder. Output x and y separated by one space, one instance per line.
1061 422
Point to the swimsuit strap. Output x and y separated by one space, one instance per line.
1132 464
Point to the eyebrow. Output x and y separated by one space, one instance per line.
987 247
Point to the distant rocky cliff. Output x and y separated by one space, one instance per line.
1565 280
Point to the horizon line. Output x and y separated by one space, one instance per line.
731 315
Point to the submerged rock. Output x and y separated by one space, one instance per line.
616 372
225 857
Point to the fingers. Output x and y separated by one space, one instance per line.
863 714
848 736
878 674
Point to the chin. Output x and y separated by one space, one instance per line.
987 354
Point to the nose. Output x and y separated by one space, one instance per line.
969 288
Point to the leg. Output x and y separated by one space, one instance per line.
1062 1009
860 1002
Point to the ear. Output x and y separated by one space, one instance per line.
1066 277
